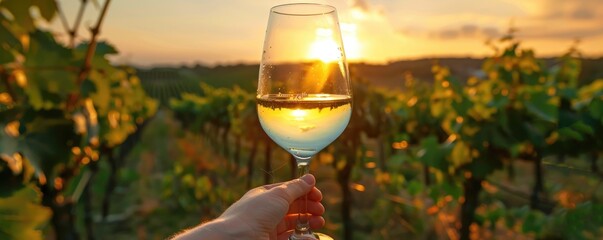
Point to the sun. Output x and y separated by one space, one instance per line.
326 49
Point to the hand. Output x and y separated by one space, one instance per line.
266 212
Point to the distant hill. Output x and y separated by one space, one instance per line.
591 69
245 76
390 76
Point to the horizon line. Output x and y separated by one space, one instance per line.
359 61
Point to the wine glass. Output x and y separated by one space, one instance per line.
304 96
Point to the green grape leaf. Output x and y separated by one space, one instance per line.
34 94
590 95
570 133
452 189
8 144
45 51
535 133
481 166
50 80
583 127
203 186
87 88
461 154
504 75
510 51
7 37
585 218
595 108
455 84
432 154
114 136
531 78
49 89
102 48
538 104
462 107
19 9
502 135
493 215
498 101
414 187
100 91
569 93
5 56
8 41
47 142
22 216
10 182
534 222
47 8
14 173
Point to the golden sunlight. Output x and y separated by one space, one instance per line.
351 45
324 48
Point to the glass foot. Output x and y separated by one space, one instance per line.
323 236
314 236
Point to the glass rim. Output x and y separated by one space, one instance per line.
326 9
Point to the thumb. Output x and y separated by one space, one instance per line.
294 189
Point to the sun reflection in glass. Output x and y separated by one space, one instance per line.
299 115
324 48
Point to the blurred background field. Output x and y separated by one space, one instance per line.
501 146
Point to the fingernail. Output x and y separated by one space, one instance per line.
309 179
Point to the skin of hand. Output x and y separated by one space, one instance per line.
265 212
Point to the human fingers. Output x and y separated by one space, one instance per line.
271 186
315 195
314 208
284 235
294 189
290 221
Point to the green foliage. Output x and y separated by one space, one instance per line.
56 112
212 108
49 87
22 216
45 143
582 222
447 131
432 154
19 11
440 133
242 112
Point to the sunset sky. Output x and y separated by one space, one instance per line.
159 32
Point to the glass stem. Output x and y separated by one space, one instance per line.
303 224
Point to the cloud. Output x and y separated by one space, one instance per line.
574 10
561 19
457 32
583 13
466 31
568 33
362 5
537 19
362 9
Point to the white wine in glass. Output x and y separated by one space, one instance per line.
304 96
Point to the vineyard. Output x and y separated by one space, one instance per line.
456 154
89 150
